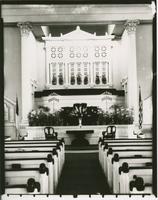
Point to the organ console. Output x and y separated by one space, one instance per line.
78 59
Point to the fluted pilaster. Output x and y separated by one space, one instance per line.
131 26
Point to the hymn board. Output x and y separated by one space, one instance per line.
78 60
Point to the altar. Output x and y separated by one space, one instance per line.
79 135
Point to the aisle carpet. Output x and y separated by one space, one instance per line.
82 174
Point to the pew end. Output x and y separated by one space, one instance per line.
139 186
31 187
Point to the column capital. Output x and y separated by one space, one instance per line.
131 25
25 28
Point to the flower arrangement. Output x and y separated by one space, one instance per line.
67 117
42 117
117 115
90 115
79 109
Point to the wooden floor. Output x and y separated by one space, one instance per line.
82 174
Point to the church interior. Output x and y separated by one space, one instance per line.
78 98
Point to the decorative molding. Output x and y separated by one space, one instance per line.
124 81
131 25
25 28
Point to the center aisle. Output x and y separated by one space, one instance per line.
82 174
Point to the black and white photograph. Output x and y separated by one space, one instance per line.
79 99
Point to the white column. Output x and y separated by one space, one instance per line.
25 29
132 68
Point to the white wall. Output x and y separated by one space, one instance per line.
116 65
29 73
144 45
123 55
144 58
147 110
33 56
12 64
41 65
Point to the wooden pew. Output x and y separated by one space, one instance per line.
33 142
119 147
35 155
59 143
125 139
25 162
102 143
20 176
123 152
106 146
31 187
36 146
46 148
34 163
132 161
127 173
119 140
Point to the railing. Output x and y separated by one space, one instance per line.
9 110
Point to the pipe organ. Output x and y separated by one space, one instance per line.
78 60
